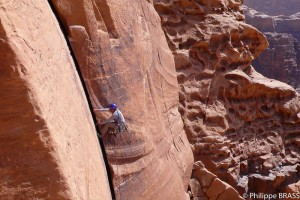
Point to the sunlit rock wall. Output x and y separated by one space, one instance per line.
48 143
124 58
242 126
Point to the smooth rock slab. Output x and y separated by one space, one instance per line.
48 143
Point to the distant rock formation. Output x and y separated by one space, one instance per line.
274 7
242 126
281 60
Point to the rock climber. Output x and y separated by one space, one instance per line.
116 121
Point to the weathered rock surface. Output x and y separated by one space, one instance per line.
293 188
205 185
124 58
240 124
281 60
274 7
48 143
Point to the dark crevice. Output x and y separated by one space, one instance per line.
64 31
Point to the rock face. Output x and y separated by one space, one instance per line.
281 60
205 185
242 126
274 7
124 58
47 150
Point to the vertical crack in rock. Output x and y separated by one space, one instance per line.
48 141
115 43
87 96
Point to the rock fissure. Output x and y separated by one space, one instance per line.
133 80
49 147
83 83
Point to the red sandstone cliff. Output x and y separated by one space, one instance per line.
124 58
242 126
48 143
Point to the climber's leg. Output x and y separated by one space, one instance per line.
106 127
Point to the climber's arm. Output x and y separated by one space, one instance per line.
113 117
102 109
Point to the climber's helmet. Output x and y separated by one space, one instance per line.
112 107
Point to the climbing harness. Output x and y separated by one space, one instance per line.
121 128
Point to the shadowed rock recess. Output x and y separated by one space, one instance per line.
242 126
